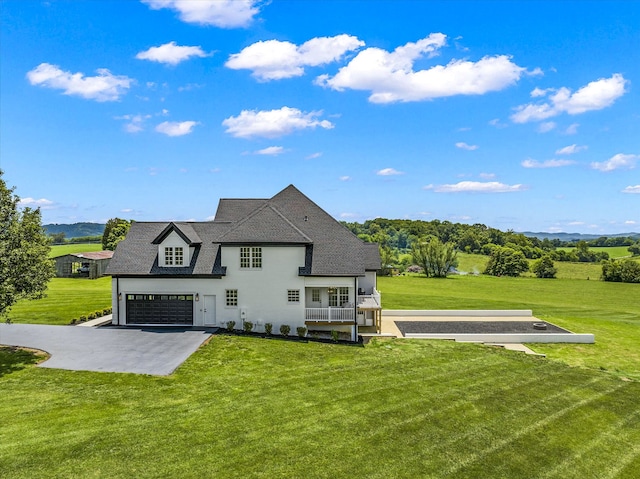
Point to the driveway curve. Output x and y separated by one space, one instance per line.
140 350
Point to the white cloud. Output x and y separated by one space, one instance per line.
390 76
345 178
348 215
176 128
273 123
616 162
476 187
463 146
274 60
389 172
487 176
529 163
576 223
271 150
171 54
220 13
632 189
42 203
546 126
102 87
135 123
630 222
572 129
497 123
596 95
313 156
570 150
538 92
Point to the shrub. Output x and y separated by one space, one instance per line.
627 271
91 316
83 319
268 328
248 326
73 321
285 329
230 325
335 335
98 314
302 331
543 267
106 311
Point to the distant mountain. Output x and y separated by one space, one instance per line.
75 230
577 236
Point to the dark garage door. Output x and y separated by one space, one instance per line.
160 309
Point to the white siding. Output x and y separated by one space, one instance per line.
368 282
174 240
262 293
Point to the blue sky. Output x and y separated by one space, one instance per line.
519 115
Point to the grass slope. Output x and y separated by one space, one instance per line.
253 408
63 249
67 298
611 311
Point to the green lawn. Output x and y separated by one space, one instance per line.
611 311
61 250
67 298
254 408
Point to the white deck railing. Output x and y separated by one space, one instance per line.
369 300
328 314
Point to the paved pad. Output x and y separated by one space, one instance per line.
141 351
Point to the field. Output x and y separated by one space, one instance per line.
67 298
61 250
614 251
245 407
611 311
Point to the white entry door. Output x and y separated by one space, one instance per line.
209 310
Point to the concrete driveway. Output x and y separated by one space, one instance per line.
142 351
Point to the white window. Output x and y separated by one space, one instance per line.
250 257
173 256
168 256
338 296
315 295
293 296
231 298
178 255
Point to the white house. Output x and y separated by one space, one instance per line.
281 260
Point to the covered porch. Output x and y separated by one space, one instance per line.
342 305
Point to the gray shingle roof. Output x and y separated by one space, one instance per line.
287 218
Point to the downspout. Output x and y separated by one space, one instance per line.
117 302
355 310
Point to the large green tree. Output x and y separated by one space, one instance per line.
544 267
25 267
505 261
115 231
436 258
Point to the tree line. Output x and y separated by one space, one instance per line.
429 247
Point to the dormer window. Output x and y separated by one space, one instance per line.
173 256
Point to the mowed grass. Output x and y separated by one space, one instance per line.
63 249
611 311
67 298
245 407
